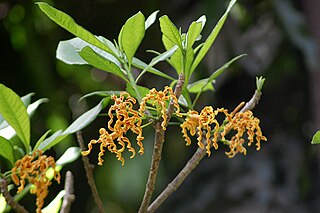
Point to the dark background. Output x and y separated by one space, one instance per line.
281 38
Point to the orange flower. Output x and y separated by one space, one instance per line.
241 122
125 119
33 168
160 100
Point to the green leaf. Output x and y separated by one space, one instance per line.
208 43
15 113
68 51
157 59
70 25
96 60
193 33
316 138
55 205
6 150
142 90
41 139
142 65
51 141
200 86
186 97
151 19
132 34
3 203
85 119
101 93
170 31
176 60
26 101
70 155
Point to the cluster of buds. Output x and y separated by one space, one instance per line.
33 168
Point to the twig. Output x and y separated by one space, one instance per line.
88 168
157 150
69 196
192 163
9 199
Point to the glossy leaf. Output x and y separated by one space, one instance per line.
193 33
41 139
85 119
6 150
159 58
100 93
316 138
26 101
70 25
208 43
70 155
132 34
96 60
151 19
68 51
142 65
170 31
176 60
15 113
55 205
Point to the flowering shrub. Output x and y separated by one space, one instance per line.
136 107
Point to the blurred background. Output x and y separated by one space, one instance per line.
281 39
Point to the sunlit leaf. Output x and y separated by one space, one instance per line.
208 43
132 34
101 63
316 138
68 51
170 31
70 155
55 205
26 101
3 203
6 150
193 33
15 113
151 19
70 25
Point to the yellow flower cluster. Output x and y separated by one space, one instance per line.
240 122
33 169
125 119
160 99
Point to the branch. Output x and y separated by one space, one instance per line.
9 199
69 197
89 168
192 163
157 150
